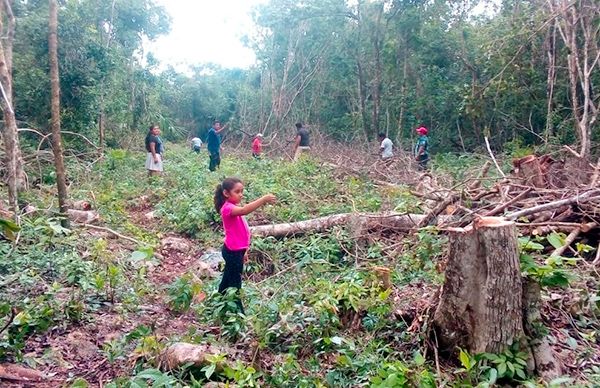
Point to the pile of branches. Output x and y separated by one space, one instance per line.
542 194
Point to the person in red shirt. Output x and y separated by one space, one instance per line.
257 145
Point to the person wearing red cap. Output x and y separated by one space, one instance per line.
257 145
421 148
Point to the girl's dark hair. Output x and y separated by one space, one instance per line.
149 134
227 184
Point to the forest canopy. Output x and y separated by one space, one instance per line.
349 69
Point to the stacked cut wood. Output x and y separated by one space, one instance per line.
542 194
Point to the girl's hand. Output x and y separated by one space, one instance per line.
269 198
246 257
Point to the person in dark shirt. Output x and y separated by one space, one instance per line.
154 148
213 144
302 141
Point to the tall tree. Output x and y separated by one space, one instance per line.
579 27
57 149
16 175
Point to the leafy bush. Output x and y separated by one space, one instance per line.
182 291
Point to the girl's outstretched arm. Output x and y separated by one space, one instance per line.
252 206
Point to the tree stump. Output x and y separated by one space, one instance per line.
481 306
531 170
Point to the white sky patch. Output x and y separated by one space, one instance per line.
206 31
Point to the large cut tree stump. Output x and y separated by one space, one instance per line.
481 306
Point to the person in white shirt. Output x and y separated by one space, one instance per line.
196 145
386 146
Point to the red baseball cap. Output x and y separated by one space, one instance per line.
422 130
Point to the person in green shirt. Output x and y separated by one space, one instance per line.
421 149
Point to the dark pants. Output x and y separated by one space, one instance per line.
422 162
232 274
215 161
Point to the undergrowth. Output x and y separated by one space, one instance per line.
316 313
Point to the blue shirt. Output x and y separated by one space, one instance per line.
422 142
213 141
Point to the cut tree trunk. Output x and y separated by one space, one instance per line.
367 221
480 305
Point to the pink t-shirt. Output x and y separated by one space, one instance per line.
237 232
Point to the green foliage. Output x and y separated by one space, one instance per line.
549 274
181 292
147 378
391 375
8 229
487 369
224 310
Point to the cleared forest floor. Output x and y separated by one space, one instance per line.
89 308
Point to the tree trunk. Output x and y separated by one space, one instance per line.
377 41
551 52
546 364
15 175
578 28
481 307
59 164
365 221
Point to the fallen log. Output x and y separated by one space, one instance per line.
19 373
367 220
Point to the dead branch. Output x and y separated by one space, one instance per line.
105 229
503 206
580 198
438 209
572 236
487 144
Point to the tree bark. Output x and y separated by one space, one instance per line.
480 305
578 28
59 164
546 364
367 221
377 42
15 175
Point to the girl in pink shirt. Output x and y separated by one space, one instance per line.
228 196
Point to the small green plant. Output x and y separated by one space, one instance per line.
182 291
485 369
224 309
158 380
391 375
549 274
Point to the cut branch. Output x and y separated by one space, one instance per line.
580 198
